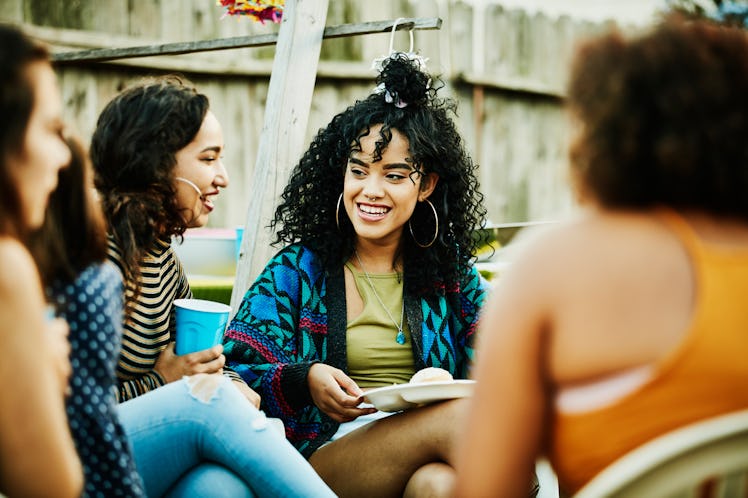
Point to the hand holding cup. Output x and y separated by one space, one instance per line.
199 324
199 332
173 367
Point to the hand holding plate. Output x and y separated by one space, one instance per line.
335 393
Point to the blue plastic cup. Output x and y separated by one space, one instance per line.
200 324
239 237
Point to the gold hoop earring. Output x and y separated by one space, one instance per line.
436 226
337 212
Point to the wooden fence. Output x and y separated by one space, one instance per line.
506 68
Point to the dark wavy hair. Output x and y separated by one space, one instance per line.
307 212
134 154
74 232
664 118
17 52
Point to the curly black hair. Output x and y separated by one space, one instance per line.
133 151
664 118
406 101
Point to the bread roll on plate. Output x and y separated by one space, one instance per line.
431 374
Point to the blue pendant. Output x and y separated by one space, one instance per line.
400 337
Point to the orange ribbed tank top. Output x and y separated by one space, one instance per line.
706 375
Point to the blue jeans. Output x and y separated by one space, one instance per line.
209 480
202 433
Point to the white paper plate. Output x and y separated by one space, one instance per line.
403 396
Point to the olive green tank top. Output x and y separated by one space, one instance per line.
375 359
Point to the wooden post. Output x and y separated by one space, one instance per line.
283 132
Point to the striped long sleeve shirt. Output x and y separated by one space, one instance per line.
150 326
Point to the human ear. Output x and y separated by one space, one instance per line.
428 184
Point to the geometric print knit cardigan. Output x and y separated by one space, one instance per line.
294 315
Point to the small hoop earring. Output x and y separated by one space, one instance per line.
337 212
436 231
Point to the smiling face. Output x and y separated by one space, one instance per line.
44 152
380 196
200 168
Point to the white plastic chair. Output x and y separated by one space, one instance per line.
677 464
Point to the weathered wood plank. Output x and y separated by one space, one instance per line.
114 19
12 10
284 132
460 52
145 20
514 84
105 54
181 30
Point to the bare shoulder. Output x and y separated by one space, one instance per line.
16 263
21 298
594 242
20 286
617 287
544 254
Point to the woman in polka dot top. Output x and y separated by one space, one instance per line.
87 292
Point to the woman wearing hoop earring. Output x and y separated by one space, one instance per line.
375 283
157 160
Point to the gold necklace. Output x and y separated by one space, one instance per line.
400 338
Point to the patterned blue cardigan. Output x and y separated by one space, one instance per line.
295 315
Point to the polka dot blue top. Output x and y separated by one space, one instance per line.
92 306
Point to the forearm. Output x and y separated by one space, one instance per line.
275 373
283 387
33 425
34 429
261 342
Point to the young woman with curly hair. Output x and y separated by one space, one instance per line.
374 284
629 322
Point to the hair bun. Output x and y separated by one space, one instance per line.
403 79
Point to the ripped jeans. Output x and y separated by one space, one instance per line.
201 437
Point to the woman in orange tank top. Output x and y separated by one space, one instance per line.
627 321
